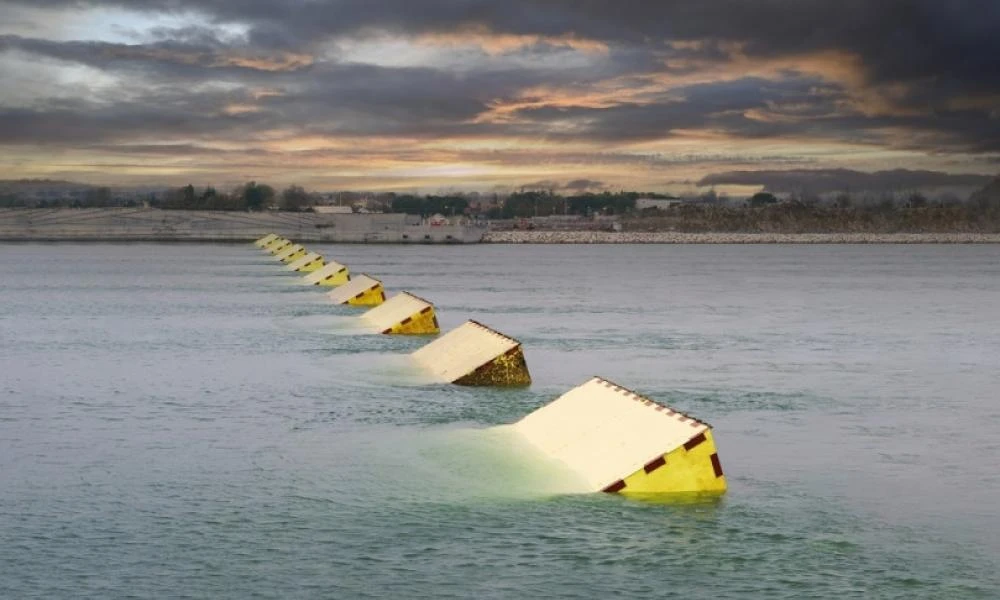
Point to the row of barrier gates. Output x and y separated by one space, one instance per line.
612 438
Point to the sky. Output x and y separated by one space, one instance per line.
440 95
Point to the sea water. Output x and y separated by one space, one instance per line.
192 421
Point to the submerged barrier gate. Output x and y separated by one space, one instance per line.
277 245
474 354
619 441
291 253
267 239
360 291
307 264
404 313
331 274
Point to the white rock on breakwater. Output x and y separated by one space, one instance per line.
669 237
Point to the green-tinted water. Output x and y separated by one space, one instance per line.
188 421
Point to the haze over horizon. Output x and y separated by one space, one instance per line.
484 94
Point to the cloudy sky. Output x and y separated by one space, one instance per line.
431 95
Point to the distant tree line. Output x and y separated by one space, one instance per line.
91 197
763 211
251 196
428 205
883 214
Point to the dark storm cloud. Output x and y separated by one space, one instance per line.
939 58
81 123
167 58
793 108
719 106
334 99
835 180
166 84
899 40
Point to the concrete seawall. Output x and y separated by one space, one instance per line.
609 237
147 224
153 225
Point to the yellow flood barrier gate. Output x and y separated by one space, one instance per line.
621 442
404 313
277 245
474 354
331 274
267 239
291 253
360 291
307 264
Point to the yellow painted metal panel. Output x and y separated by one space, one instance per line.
615 439
315 265
309 262
404 313
359 291
288 251
291 253
331 274
692 468
267 239
370 297
473 354
278 245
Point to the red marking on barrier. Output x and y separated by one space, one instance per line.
694 423
406 320
387 331
659 408
426 309
615 487
716 465
383 295
694 442
654 464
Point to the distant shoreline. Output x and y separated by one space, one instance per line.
564 238
670 237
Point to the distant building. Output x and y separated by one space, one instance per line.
333 210
660 203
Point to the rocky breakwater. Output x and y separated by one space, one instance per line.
671 237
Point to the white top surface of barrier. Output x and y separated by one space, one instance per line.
394 310
463 350
305 260
289 251
331 268
604 432
352 288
